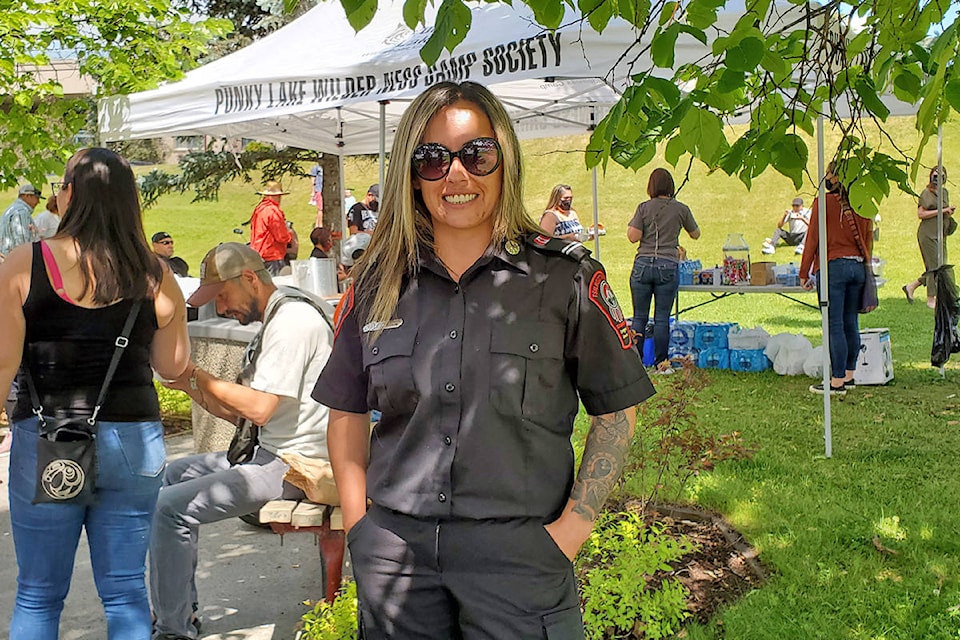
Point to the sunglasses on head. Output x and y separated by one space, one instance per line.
431 161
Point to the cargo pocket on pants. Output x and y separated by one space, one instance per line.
563 625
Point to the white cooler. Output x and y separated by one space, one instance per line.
875 364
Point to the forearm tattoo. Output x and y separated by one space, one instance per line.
603 456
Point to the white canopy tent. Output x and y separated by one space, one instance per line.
316 84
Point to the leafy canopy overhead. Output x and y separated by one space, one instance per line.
782 65
121 46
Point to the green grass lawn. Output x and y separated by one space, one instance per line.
895 448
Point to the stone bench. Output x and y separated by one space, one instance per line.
324 521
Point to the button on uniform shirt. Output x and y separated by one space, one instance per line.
479 382
16 226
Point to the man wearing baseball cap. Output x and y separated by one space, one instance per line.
797 219
280 366
163 247
16 225
269 233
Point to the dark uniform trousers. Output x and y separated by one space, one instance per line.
424 578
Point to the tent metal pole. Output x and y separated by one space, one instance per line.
343 210
596 217
943 373
383 141
822 283
940 196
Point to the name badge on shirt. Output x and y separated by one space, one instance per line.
370 327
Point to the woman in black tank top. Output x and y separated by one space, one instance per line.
65 302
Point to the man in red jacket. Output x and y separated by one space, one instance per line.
269 234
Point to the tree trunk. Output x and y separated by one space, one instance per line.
332 197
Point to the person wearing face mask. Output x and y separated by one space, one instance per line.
559 219
928 234
477 336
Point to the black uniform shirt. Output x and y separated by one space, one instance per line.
479 382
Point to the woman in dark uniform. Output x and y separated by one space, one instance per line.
476 336
928 236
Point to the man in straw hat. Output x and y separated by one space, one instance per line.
280 366
269 233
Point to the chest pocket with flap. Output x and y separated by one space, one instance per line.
526 367
389 363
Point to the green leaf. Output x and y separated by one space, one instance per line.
703 13
667 92
789 157
951 93
865 89
666 14
907 86
698 34
730 80
548 13
674 149
359 12
433 47
702 134
773 63
862 193
413 12
746 56
642 156
598 13
630 128
460 20
663 45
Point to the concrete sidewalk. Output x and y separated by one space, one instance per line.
250 586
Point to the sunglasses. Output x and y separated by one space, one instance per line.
432 161
165 242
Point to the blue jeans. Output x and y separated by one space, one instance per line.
844 292
130 457
198 490
658 279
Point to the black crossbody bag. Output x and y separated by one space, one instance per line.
67 447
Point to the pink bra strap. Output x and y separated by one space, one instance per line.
54 272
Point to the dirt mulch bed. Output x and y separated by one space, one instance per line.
721 570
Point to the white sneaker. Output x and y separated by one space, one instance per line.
767 249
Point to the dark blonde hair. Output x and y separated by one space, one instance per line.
104 219
404 225
556 195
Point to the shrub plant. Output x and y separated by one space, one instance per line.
616 565
335 620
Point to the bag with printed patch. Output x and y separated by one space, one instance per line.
66 462
67 446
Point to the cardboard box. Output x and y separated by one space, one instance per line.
875 363
761 273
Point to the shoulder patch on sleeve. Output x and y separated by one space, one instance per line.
344 307
549 244
601 294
